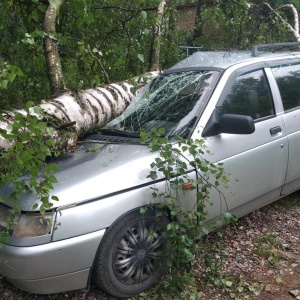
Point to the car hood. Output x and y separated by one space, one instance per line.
93 171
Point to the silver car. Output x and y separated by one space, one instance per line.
244 104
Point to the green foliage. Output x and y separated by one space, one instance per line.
187 228
120 31
237 25
8 74
269 247
23 165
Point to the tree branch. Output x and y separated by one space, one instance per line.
247 8
127 9
295 29
100 64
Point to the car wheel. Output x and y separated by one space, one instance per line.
130 257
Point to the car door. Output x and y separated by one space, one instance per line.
256 162
287 76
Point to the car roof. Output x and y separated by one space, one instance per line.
214 59
225 59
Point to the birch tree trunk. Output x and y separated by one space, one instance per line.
155 45
55 74
75 114
293 28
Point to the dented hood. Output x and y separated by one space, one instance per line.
93 171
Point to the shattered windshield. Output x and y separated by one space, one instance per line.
170 101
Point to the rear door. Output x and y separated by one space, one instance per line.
257 162
287 76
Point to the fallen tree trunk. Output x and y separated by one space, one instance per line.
73 115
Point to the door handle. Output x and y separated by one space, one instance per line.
275 130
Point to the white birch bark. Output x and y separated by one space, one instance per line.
293 28
155 45
74 115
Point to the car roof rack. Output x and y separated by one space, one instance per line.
256 52
188 48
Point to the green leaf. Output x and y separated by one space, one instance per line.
141 57
144 15
11 76
228 283
227 216
143 210
34 15
52 179
29 104
18 71
89 18
42 125
10 127
35 206
161 131
3 83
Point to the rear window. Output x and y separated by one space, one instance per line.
288 80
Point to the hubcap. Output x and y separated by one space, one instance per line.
137 253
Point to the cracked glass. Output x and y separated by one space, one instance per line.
171 101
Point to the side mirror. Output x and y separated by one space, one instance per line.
229 123
235 124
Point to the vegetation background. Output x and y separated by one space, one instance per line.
109 41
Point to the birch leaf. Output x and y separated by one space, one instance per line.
144 15
141 57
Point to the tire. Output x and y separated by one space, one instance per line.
129 260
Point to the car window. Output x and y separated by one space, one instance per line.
288 79
248 95
171 101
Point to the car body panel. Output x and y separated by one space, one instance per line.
104 212
86 174
51 268
292 121
69 255
56 284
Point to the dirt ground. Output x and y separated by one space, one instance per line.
261 260
263 253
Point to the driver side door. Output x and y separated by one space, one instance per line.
257 162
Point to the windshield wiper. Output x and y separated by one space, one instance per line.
122 133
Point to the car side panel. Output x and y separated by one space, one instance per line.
102 213
256 170
292 121
258 161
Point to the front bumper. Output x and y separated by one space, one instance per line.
51 268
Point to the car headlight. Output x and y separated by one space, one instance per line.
26 224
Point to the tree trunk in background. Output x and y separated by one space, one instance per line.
55 74
198 31
155 45
75 114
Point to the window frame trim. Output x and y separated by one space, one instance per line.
249 69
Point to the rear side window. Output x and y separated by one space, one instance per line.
249 95
288 80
